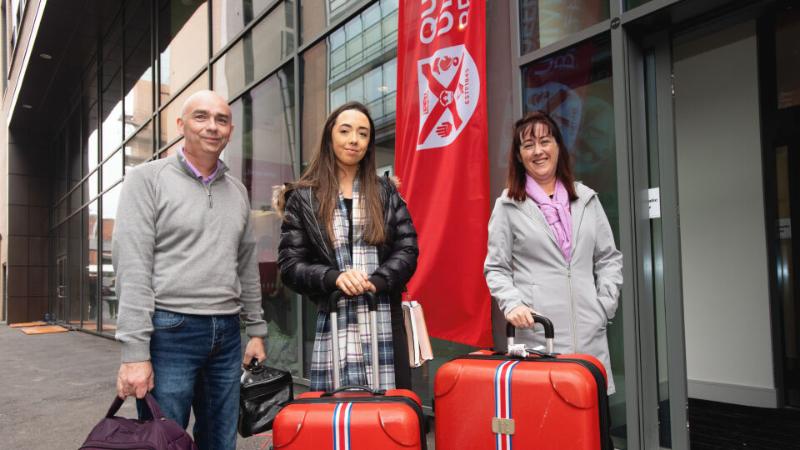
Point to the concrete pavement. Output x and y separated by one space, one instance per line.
55 387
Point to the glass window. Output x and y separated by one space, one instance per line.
317 15
630 4
111 96
169 115
575 87
787 36
257 53
89 266
542 22
75 199
261 154
182 43
74 262
93 184
112 170
139 65
172 149
230 17
140 148
108 292
352 75
72 146
89 121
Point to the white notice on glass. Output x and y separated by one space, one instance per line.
654 203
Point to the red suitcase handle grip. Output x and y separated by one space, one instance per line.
549 331
354 387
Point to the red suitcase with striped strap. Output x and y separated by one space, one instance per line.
351 417
491 401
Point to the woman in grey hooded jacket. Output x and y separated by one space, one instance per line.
551 249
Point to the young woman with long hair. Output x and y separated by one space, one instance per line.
346 228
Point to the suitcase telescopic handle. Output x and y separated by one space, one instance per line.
372 305
549 332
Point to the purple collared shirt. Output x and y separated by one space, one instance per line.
196 172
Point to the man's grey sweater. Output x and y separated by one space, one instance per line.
185 247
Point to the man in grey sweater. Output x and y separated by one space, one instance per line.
185 260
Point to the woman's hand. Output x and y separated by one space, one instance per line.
354 282
521 317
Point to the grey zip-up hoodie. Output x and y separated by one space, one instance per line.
524 265
185 247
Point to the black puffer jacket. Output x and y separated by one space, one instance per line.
307 260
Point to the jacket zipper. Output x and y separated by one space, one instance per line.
569 282
208 191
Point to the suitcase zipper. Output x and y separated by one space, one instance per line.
380 399
602 396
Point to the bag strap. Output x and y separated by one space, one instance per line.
149 400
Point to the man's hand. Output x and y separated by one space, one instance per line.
254 349
135 378
520 317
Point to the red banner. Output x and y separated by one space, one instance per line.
441 158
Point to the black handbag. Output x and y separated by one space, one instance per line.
264 391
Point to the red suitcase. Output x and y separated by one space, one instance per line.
488 400
351 417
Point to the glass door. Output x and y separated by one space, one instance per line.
658 273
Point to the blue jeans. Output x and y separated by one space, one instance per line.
197 364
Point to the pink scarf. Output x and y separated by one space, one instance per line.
556 212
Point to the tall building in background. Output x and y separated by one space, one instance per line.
682 115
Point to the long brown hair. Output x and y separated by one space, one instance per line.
515 181
320 175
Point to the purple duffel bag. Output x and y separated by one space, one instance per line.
119 433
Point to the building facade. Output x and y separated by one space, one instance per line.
683 115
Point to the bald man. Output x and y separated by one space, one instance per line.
187 275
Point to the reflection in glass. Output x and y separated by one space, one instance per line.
169 115
258 52
90 267
108 292
261 155
111 96
575 87
317 15
93 186
112 170
139 148
183 33
169 151
630 4
74 246
229 17
542 22
60 293
356 62
72 147
75 199
89 131
787 58
139 62
654 268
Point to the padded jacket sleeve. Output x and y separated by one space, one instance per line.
301 267
401 261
